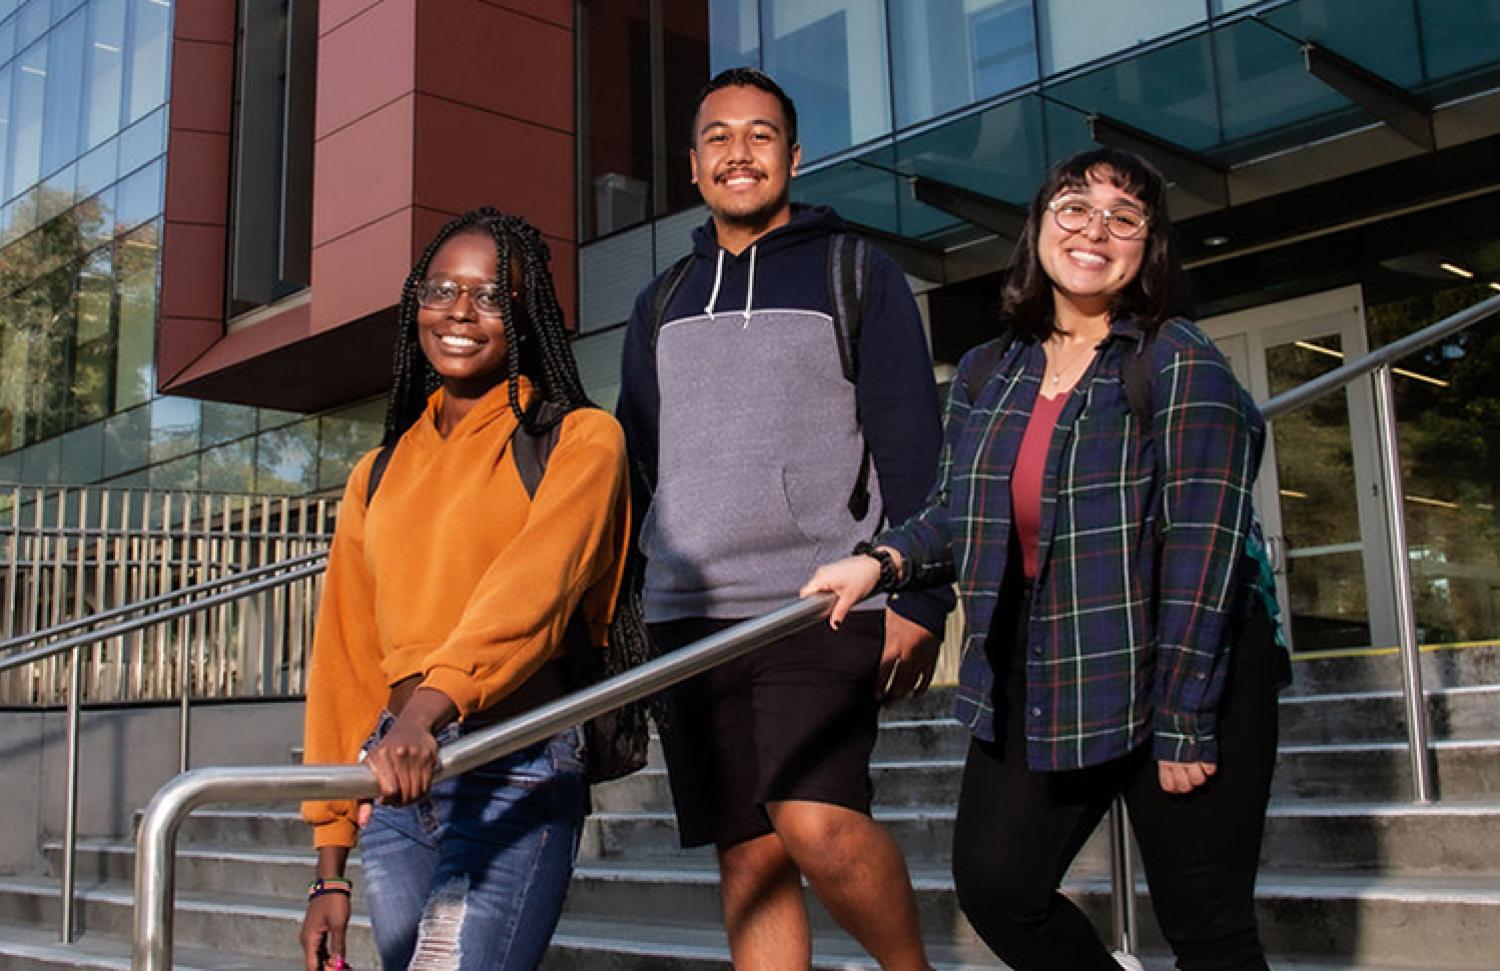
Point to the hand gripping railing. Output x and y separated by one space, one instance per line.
157 837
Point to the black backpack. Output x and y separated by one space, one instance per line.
848 270
615 742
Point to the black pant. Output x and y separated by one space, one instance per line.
1019 830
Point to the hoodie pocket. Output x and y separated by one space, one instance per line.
818 503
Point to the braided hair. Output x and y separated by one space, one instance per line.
536 340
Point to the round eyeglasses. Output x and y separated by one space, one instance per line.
487 298
1073 216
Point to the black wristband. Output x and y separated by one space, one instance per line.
889 577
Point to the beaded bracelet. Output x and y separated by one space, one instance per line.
889 576
322 885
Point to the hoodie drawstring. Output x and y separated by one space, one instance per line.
749 286
718 278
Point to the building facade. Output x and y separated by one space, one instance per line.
209 207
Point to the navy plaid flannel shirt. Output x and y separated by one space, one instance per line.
1128 630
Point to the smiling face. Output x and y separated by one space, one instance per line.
465 347
1089 266
742 161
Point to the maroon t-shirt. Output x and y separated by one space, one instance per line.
1026 477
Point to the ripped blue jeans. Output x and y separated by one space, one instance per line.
473 875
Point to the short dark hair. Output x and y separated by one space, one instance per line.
748 77
1159 290
536 337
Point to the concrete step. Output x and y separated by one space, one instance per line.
1357 772
30 948
1344 922
1438 923
241 924
1469 713
1334 672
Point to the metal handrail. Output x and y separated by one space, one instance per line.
158 833
75 645
157 838
138 606
1346 373
161 616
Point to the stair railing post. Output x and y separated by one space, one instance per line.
1418 746
1122 878
70 820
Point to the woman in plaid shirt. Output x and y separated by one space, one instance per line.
1108 561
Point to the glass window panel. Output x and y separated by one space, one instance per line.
272 418
1074 32
830 56
42 464
10 467
61 8
865 194
620 153
13 353
346 435
6 73
83 454
174 428
138 197
286 459
1230 6
7 39
179 474
1380 35
56 194
94 337
148 56
29 89
64 93
136 263
95 219
1168 92
1067 132
33 21
53 308
1265 91
143 141
97 169
228 468
126 438
105 71
1448 420
950 53
225 422
733 34
1458 38
999 153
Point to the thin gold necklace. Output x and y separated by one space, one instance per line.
1064 369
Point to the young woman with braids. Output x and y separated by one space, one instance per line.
444 608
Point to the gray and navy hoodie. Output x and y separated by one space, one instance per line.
745 437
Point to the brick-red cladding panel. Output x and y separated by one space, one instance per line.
197 177
489 57
466 157
363 172
365 64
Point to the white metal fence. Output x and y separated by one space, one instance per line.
69 552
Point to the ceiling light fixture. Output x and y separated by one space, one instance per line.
1457 270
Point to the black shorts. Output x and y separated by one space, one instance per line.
794 720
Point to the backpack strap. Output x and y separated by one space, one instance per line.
848 270
671 282
377 471
1135 374
986 362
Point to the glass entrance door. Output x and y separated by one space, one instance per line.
1318 492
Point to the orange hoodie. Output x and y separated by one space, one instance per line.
454 574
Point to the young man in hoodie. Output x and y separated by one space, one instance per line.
748 441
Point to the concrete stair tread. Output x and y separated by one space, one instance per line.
122 893
40 948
